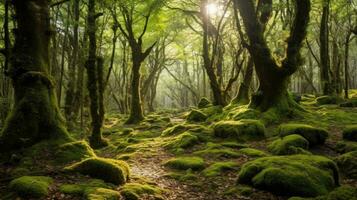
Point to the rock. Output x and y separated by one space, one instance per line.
109 170
347 164
204 102
323 100
252 152
315 136
184 140
133 191
244 130
31 186
184 163
74 151
295 175
196 116
350 133
288 145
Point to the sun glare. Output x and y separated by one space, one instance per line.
212 9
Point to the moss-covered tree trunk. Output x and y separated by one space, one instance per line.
95 82
273 77
243 91
35 115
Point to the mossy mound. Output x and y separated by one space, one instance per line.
345 147
243 130
80 189
288 145
217 168
185 163
180 128
352 103
31 186
183 141
347 164
324 100
109 170
250 152
315 136
341 193
296 175
350 133
133 191
213 150
243 113
74 151
196 116
204 102
101 194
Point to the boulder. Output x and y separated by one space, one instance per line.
243 130
315 136
288 145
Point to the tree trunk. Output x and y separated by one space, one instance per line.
324 50
136 112
243 92
35 106
347 52
94 87
272 92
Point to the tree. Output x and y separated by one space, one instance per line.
35 105
273 77
138 53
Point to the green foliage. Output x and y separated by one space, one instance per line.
347 163
31 186
350 133
109 170
217 168
315 136
184 163
291 144
297 175
74 151
133 191
243 130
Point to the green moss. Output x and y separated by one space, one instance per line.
243 112
20 171
204 102
300 175
350 133
233 145
196 116
184 140
341 193
186 176
179 128
212 110
291 144
344 147
184 163
219 167
243 130
101 194
252 152
133 191
72 189
31 186
347 163
218 153
74 151
109 170
323 100
240 190
315 136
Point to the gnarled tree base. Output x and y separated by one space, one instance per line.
35 116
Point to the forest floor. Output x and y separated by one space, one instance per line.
148 147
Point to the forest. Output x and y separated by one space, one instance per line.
178 99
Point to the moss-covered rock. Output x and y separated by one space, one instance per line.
348 164
288 145
350 133
109 170
31 186
296 175
184 140
315 136
243 130
218 153
219 167
345 147
179 128
352 103
250 152
204 102
341 193
184 163
74 151
240 190
133 191
101 194
243 113
323 100
79 189
196 116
